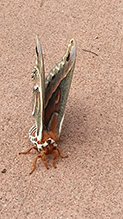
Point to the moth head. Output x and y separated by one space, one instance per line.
49 141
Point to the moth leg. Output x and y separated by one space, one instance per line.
43 157
34 163
25 152
60 153
56 153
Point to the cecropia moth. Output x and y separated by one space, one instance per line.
49 101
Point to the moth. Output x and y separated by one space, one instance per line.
49 101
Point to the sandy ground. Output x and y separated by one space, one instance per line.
89 183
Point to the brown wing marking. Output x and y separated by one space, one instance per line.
54 122
52 110
58 97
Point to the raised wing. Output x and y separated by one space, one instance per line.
38 77
57 85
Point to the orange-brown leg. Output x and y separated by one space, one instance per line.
60 153
43 157
25 152
56 153
34 163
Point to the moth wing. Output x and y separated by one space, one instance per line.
38 77
57 85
